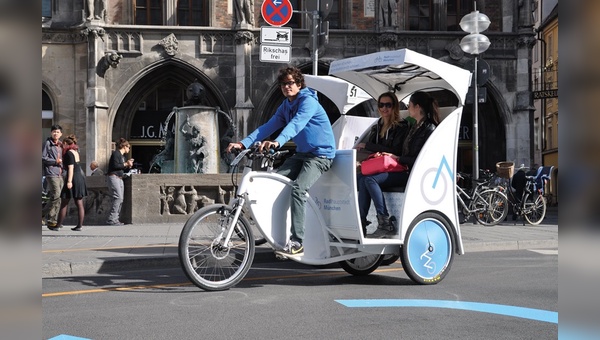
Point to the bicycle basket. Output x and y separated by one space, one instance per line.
505 169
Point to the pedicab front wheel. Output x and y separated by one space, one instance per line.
206 260
428 249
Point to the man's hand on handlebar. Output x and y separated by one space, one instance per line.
267 145
232 146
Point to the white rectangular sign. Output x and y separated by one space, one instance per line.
275 54
276 35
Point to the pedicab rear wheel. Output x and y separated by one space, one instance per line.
206 261
362 266
389 259
428 249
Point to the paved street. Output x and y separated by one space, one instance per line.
106 249
486 295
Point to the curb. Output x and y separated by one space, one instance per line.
112 266
262 255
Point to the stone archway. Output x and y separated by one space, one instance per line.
164 84
274 97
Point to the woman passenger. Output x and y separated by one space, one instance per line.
386 137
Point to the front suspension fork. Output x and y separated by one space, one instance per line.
231 222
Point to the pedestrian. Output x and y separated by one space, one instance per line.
74 187
53 173
302 119
385 137
116 188
96 171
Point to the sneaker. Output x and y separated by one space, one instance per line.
293 248
55 228
76 229
115 223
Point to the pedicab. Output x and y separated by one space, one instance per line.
216 246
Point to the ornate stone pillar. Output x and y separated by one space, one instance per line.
97 137
520 146
243 81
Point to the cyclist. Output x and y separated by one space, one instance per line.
303 120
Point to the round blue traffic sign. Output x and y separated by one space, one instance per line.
276 12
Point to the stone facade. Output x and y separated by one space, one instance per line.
102 76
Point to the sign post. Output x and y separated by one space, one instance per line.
275 42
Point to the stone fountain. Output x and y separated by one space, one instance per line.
200 133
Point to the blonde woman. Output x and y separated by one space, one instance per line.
386 137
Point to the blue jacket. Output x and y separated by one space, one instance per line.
304 121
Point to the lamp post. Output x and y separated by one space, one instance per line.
475 43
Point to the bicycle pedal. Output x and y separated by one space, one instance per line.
280 256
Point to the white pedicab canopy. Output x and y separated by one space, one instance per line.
403 72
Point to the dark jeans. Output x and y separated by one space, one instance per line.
370 188
304 169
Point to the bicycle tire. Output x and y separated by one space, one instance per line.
362 266
428 249
389 259
491 207
534 207
204 260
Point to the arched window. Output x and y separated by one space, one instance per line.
47 115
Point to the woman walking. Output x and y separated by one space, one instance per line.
74 186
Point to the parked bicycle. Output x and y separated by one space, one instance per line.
489 205
525 192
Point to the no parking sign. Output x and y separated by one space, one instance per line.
276 12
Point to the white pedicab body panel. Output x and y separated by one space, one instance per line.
431 183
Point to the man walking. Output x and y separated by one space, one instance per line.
52 169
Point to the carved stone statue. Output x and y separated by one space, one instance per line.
195 94
191 199
198 148
179 203
244 11
388 11
166 199
96 9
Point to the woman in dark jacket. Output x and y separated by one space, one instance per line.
425 111
386 137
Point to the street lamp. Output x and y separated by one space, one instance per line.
475 43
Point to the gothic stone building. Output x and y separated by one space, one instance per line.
117 68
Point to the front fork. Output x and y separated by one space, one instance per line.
229 222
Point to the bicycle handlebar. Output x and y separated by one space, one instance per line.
253 153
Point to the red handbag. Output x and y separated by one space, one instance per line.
377 164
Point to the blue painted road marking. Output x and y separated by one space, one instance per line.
67 337
518 312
